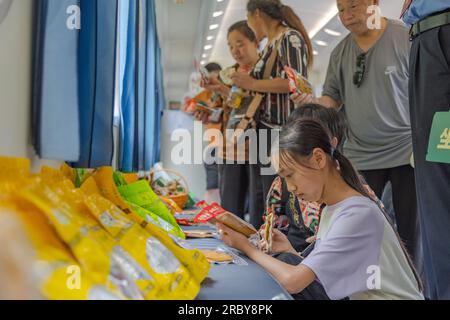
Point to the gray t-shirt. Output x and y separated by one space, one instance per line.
378 111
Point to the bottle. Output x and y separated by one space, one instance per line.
235 97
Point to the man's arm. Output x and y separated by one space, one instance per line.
326 101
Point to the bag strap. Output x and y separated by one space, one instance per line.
256 102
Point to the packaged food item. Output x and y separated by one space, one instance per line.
215 213
235 97
223 255
215 256
150 217
81 175
193 260
225 76
172 205
119 179
56 273
16 256
199 234
130 177
149 252
204 73
141 194
13 172
14 168
52 175
268 231
97 252
298 83
105 184
68 172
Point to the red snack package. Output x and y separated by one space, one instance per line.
215 213
297 83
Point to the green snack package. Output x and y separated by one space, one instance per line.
141 194
119 180
154 219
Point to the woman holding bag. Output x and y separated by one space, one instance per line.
234 178
288 45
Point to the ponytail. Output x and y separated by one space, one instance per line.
349 173
293 21
297 141
352 178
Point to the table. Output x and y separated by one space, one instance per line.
235 282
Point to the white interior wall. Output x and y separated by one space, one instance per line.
15 83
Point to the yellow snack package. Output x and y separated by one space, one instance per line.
49 174
193 260
104 260
172 205
13 172
68 172
14 168
146 249
56 273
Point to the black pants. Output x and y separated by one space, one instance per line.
235 185
212 174
262 176
314 291
430 93
404 201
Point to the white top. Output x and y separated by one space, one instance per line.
358 255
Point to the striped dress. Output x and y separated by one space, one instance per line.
292 51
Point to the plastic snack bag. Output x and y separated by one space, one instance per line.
193 260
105 184
215 213
141 194
14 168
298 83
56 273
147 250
156 220
96 251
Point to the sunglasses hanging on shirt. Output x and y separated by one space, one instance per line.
358 77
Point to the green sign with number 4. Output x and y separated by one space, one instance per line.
439 144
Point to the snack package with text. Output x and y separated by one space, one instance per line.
298 83
215 213
193 260
104 260
57 274
146 249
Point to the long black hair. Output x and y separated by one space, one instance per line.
330 118
299 138
278 11
297 141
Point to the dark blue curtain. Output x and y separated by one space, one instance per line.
97 78
74 81
142 93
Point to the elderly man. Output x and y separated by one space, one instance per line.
369 73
